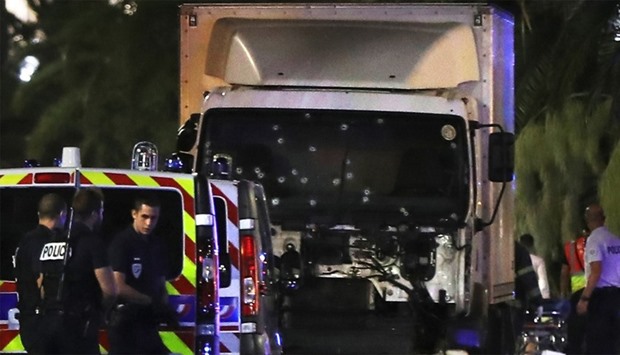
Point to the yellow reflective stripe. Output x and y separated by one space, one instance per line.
189 270
97 178
171 290
525 270
174 343
189 266
14 345
143 180
187 185
102 349
11 179
577 282
189 224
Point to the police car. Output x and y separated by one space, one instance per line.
220 272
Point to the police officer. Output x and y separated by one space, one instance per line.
601 297
52 212
77 283
137 259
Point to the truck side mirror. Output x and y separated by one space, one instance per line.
187 133
501 156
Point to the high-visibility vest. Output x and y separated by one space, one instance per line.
574 251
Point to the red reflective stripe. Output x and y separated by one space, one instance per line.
188 201
234 255
8 286
103 339
223 348
190 248
7 336
120 179
25 180
233 214
183 285
84 180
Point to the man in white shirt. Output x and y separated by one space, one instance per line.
600 299
538 264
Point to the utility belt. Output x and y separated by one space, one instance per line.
85 312
124 313
33 312
607 290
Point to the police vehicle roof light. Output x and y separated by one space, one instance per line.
144 156
31 163
70 157
174 163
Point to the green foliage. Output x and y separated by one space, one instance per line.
609 196
107 80
558 164
567 47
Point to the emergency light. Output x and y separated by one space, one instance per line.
70 157
174 163
144 156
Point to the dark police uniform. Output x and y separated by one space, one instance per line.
527 291
72 320
143 263
603 317
26 274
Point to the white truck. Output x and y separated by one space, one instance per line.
381 133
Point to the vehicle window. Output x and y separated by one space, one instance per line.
265 233
222 239
117 217
346 167
18 215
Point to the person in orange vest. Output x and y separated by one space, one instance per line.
572 283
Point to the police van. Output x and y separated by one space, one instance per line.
219 268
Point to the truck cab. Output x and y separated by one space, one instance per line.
381 134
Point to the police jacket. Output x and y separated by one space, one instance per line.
27 268
78 291
141 259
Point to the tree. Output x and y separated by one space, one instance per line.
108 79
567 118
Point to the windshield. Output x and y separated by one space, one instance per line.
333 167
